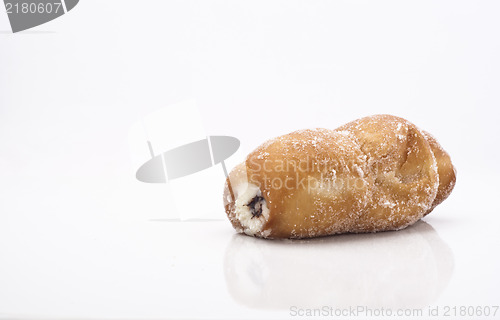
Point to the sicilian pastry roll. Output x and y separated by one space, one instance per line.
374 174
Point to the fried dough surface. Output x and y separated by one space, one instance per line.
374 174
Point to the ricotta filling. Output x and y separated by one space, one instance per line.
251 208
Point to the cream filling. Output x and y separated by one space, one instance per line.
252 224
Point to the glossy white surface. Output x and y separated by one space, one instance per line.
150 269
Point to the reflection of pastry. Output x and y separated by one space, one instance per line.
374 174
407 269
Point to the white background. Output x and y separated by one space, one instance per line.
81 238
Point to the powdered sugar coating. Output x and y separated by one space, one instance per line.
373 174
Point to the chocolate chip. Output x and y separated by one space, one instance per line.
256 206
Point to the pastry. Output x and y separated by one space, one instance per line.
374 174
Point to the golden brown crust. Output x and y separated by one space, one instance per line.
446 171
374 174
305 201
237 175
403 167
